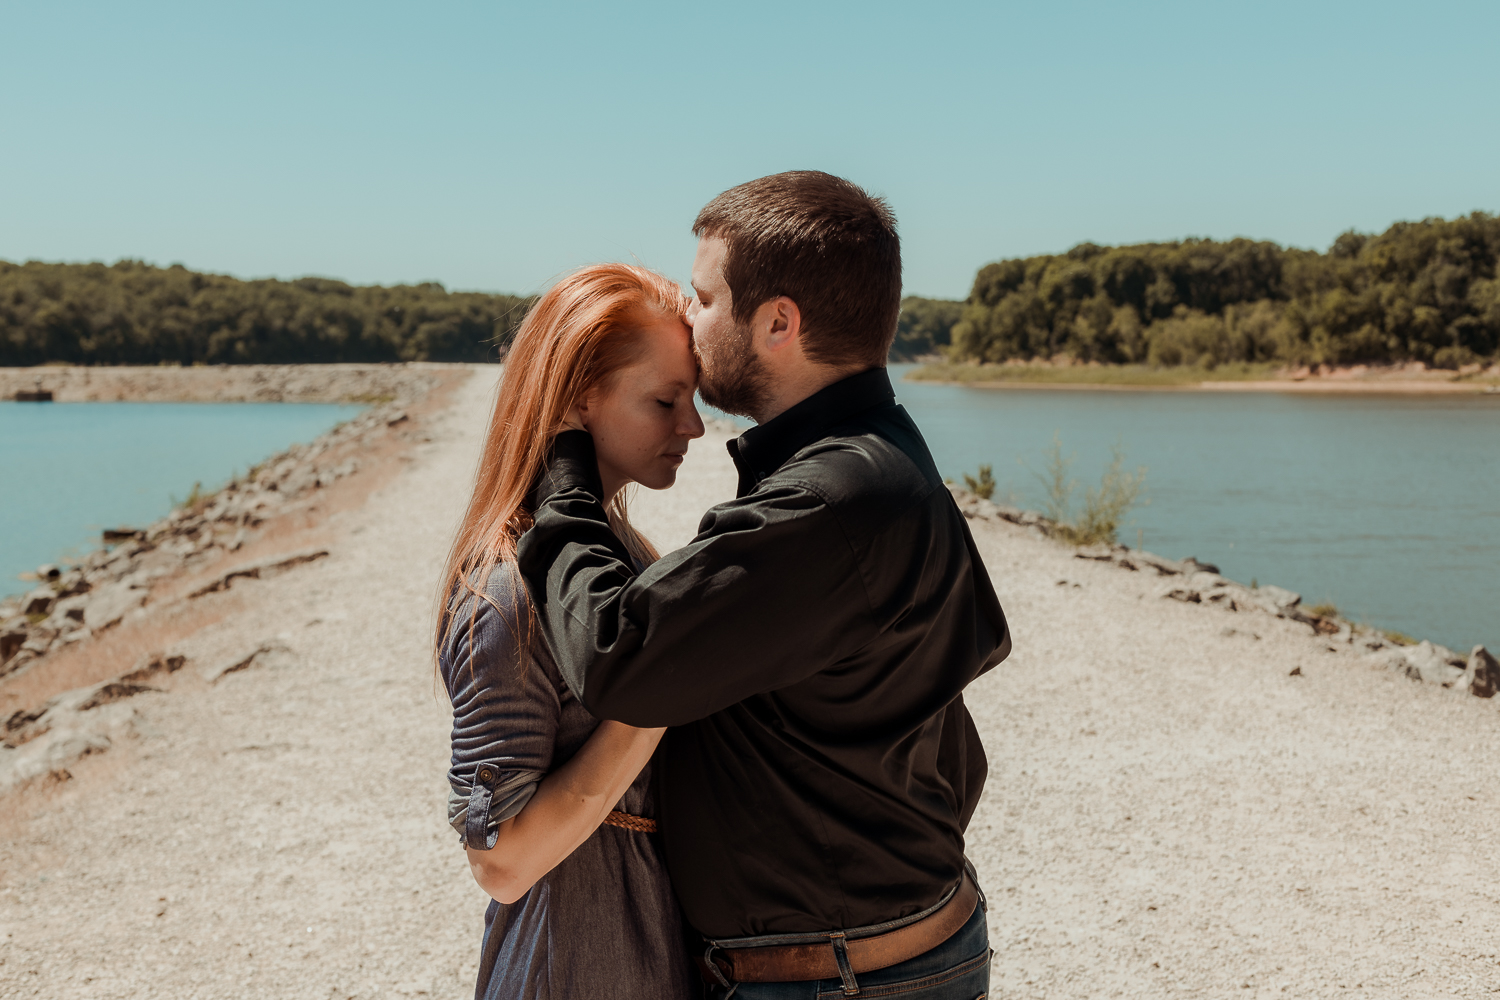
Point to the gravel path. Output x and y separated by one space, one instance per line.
1169 813
279 833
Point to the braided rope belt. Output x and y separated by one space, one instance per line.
625 821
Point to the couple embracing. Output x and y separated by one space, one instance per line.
742 768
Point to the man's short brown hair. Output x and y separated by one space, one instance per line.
824 243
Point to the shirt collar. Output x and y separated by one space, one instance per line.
762 450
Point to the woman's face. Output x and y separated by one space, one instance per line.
643 419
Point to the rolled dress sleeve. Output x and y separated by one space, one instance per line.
506 710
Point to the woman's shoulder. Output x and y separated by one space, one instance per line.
492 624
499 593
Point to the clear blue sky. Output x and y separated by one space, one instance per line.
493 146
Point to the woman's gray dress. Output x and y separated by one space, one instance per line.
604 922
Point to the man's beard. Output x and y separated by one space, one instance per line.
733 379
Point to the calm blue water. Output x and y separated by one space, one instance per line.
68 470
1388 507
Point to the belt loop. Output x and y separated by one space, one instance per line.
846 971
984 904
714 970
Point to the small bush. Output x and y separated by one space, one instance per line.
196 500
1399 638
1324 610
1104 507
1057 486
984 486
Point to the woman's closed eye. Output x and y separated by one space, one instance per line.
669 404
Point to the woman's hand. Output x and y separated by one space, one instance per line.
567 808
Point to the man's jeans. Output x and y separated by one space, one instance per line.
957 969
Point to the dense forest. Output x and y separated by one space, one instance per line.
133 313
925 326
1424 291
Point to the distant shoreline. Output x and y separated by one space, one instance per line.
370 383
1359 381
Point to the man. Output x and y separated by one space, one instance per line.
809 648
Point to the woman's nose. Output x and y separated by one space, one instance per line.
692 427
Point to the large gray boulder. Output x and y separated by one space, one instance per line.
12 637
1277 600
72 734
109 604
271 653
67 614
1481 676
263 569
39 601
1426 662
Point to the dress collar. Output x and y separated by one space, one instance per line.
762 450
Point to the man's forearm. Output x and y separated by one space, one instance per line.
706 626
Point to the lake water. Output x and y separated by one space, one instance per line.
68 470
1387 506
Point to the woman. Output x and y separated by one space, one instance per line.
553 805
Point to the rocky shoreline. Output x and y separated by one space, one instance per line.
1193 582
197 550
133 574
1064 373
341 383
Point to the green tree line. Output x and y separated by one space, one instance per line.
1421 291
134 313
925 326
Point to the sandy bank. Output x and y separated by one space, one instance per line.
1410 379
1276 385
1184 800
222 383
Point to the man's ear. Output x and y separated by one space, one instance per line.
781 322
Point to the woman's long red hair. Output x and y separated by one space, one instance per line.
583 331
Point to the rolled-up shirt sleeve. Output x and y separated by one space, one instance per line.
505 712
730 615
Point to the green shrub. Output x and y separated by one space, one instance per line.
984 486
1104 506
196 499
1057 485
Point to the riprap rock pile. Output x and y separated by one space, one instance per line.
1194 582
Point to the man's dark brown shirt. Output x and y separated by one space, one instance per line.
809 648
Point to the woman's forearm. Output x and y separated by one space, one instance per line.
568 806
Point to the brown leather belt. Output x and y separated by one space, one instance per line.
625 821
796 963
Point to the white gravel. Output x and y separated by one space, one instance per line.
281 833
1168 813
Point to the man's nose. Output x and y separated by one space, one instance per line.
692 310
